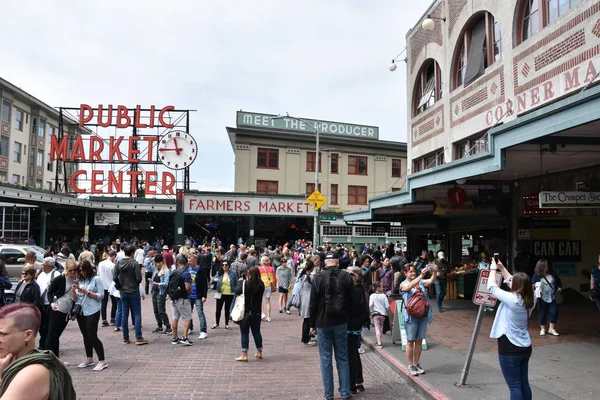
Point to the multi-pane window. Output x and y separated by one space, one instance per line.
310 187
396 168
5 114
428 87
19 118
311 161
537 14
51 131
40 159
358 165
335 158
473 145
556 8
479 47
357 195
17 147
428 161
4 146
267 187
333 195
16 179
267 158
42 129
49 164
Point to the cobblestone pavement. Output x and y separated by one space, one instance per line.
207 369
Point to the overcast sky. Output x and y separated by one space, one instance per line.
323 59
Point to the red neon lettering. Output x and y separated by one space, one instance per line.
161 116
152 111
59 152
83 118
133 152
134 180
115 184
123 119
151 140
138 114
96 153
109 111
73 181
78 153
168 182
113 148
151 181
97 180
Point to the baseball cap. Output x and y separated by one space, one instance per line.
331 255
165 247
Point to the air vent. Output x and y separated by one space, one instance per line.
293 151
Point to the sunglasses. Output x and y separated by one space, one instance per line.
24 273
225 265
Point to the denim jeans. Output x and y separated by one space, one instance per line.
515 371
544 308
119 313
334 338
440 291
254 325
356 370
201 316
133 302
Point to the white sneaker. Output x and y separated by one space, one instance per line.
263 316
542 332
100 366
268 319
553 332
361 351
203 335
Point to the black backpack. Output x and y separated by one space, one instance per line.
174 289
334 294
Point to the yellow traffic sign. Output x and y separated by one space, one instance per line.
316 200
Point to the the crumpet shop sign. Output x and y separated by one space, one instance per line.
569 199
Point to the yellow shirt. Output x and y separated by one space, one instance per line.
226 285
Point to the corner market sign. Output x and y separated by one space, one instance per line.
266 121
569 199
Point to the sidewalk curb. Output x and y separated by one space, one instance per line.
421 385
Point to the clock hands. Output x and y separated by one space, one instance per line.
177 150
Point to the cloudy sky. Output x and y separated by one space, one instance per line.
323 59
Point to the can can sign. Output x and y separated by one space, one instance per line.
482 296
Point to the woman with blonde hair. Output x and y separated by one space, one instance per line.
267 275
510 328
60 309
31 261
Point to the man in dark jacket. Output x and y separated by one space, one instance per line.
330 302
359 317
202 263
128 274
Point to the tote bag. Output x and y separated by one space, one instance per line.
240 306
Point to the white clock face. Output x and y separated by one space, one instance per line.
177 149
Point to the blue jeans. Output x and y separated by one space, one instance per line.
440 291
119 313
335 337
133 302
201 316
253 324
544 308
515 371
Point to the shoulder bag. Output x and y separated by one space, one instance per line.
239 308
77 308
557 295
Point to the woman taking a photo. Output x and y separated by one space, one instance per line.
28 291
159 281
60 309
226 281
253 289
304 311
510 328
88 291
547 285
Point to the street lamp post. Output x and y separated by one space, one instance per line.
315 127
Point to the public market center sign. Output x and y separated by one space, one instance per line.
266 121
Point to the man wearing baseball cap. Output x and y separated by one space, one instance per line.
330 301
167 256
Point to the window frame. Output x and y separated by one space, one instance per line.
17 155
19 123
475 144
336 157
310 188
355 198
334 195
41 129
2 116
5 140
543 16
422 84
266 184
39 158
13 179
268 156
421 164
311 161
461 56
399 167
356 167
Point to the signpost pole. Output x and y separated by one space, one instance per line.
465 371
317 166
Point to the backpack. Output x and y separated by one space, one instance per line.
417 306
334 294
174 289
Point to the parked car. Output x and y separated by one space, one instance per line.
13 256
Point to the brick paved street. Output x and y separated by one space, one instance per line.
207 369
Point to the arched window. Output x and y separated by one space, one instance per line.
479 46
539 13
428 87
